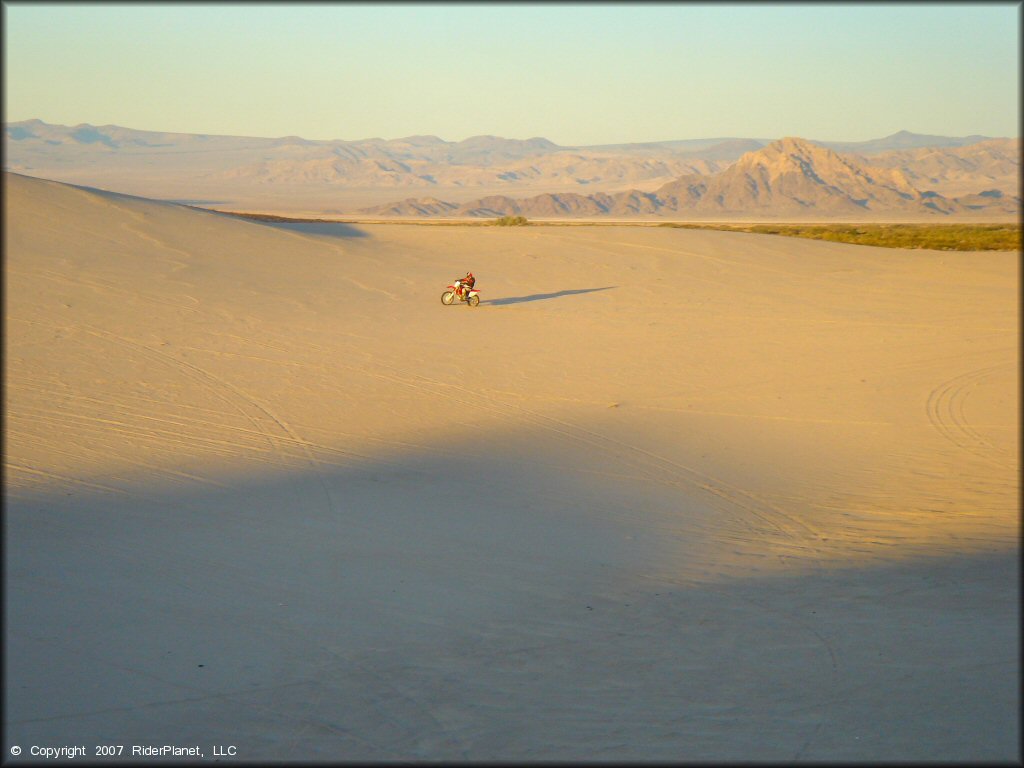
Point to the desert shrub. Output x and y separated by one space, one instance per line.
938 237
511 221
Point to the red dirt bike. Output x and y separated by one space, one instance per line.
457 290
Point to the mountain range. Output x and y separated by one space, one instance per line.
903 173
787 178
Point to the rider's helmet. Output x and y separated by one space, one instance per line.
469 274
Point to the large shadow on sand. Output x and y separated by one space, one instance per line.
321 228
360 608
543 296
318 227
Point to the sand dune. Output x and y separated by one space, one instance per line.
665 494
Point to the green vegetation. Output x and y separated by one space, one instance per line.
511 221
939 237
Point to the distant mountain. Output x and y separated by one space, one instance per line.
426 206
694 147
714 174
40 135
728 151
993 164
488 150
422 141
216 165
791 177
900 140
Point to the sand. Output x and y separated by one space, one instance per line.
666 494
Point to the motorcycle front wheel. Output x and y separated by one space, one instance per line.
447 298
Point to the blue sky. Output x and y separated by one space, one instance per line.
576 73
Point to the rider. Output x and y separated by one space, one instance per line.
465 284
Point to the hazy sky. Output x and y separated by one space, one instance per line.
574 73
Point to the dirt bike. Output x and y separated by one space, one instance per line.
457 290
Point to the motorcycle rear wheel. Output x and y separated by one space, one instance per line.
473 300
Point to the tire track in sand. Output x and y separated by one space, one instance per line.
236 398
660 466
945 409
